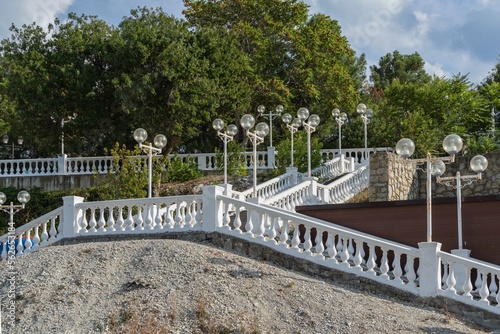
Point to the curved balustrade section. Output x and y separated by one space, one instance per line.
159 214
324 244
469 281
346 187
40 232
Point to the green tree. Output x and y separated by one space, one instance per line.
127 177
493 75
427 112
151 71
297 61
406 68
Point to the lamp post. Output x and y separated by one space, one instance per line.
279 109
12 146
65 120
452 144
340 118
366 116
257 137
310 123
140 135
226 137
478 164
23 197
293 126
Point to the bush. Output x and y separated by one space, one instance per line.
236 165
179 171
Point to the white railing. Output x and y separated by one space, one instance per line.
62 165
40 232
469 281
424 271
301 194
333 168
271 187
322 243
359 154
158 214
346 187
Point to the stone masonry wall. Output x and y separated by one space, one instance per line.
393 179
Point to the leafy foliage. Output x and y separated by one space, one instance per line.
300 157
180 171
127 177
236 166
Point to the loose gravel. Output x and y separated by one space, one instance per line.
175 286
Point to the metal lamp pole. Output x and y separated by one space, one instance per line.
226 137
366 116
310 123
405 147
340 118
279 109
478 164
140 135
257 137
293 127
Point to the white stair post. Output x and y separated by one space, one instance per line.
213 210
70 216
429 268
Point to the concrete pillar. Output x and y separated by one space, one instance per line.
429 268
61 164
293 171
271 158
70 217
213 209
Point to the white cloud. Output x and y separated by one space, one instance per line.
21 12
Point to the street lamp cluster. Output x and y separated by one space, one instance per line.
23 197
478 164
12 146
261 110
226 137
247 122
341 119
140 135
435 166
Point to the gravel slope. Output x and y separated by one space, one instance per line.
174 286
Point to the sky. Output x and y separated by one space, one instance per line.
452 36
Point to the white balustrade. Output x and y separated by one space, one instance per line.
326 244
158 214
271 187
40 232
346 187
63 165
358 154
470 281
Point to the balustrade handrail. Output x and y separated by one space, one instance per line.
321 224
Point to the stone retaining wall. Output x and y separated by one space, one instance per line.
393 179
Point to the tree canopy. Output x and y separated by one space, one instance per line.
96 83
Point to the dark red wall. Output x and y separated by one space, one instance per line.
406 222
